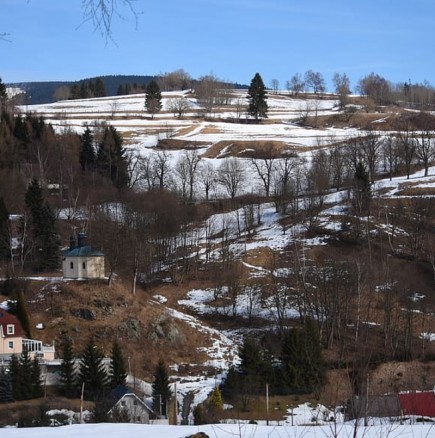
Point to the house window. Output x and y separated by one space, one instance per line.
71 265
123 403
11 345
138 419
84 265
11 329
135 402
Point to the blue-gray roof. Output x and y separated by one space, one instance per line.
82 251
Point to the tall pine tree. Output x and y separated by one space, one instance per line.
257 106
35 372
67 367
111 158
303 367
92 372
4 232
118 367
87 152
153 98
161 389
46 240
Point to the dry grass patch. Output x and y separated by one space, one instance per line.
414 188
176 144
249 149
261 257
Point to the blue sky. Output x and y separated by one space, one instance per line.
233 39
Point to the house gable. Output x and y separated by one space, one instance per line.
136 409
11 332
10 326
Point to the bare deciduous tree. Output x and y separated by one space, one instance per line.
207 177
342 87
186 169
263 165
178 106
176 80
274 84
231 175
101 13
296 84
161 168
315 81
207 91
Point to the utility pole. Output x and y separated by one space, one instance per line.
81 402
267 404
175 404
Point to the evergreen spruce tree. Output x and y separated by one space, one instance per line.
25 373
315 367
3 97
231 386
292 360
121 90
99 89
35 372
44 231
22 313
111 159
2 89
153 98
4 232
67 367
14 373
161 390
21 130
85 92
254 368
87 152
257 106
50 241
92 371
75 91
362 189
303 366
6 391
118 367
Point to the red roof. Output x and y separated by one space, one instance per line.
418 403
8 319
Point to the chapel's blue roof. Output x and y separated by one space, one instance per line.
82 251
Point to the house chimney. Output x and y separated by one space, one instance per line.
81 239
72 242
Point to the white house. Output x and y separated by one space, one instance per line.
82 261
136 410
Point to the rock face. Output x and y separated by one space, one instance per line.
131 329
86 314
198 435
164 328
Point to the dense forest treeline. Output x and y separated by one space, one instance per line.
113 85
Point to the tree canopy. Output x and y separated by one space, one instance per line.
257 106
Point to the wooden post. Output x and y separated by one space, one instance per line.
81 402
267 404
175 404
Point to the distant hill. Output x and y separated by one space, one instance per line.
43 92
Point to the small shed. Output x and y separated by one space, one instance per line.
82 261
418 403
133 407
